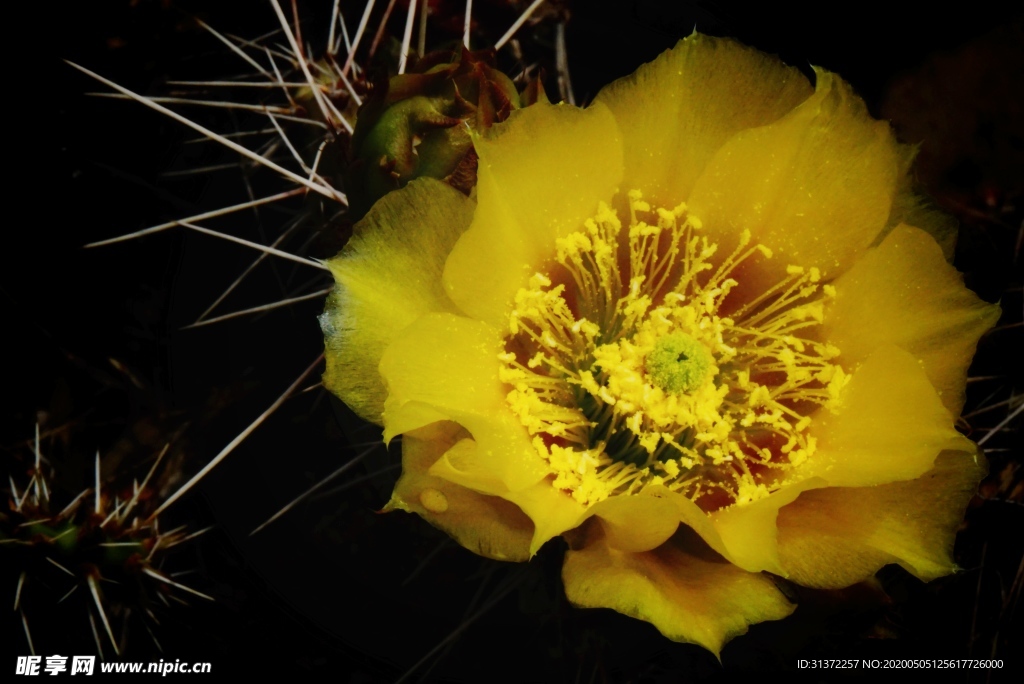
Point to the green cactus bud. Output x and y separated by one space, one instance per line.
418 124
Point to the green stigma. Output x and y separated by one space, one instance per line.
679 363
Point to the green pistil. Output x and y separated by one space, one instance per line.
679 363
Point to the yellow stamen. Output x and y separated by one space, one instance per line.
638 378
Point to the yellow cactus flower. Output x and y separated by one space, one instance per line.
701 328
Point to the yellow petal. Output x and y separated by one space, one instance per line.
387 276
749 532
551 510
636 523
486 525
832 538
675 112
445 366
904 293
890 425
815 186
690 515
462 464
541 174
683 588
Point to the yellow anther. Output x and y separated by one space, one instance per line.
636 378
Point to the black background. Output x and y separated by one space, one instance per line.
320 593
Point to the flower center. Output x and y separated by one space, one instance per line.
679 363
631 365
